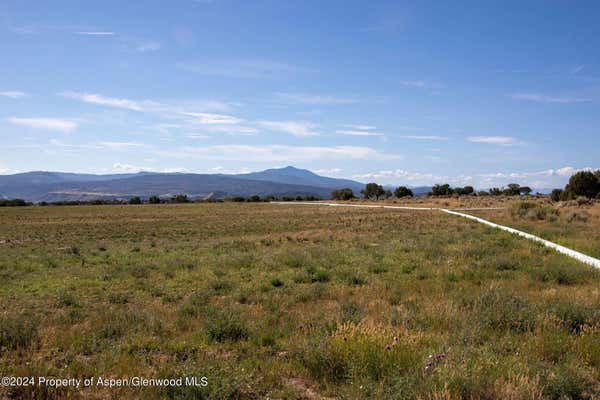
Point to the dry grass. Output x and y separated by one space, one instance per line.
293 302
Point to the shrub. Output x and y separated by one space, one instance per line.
13 203
578 216
135 200
154 200
276 282
533 211
584 183
358 351
118 298
498 309
342 194
403 191
224 323
574 316
180 198
564 383
557 194
18 332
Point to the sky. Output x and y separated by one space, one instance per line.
480 93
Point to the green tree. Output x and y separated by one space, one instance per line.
526 190
403 191
154 200
180 198
373 191
584 183
556 194
513 189
465 190
495 191
342 194
441 190
135 200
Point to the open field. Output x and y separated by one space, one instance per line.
289 301
577 227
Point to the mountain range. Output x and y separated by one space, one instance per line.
38 186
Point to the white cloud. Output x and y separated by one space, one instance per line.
413 178
327 171
95 33
361 127
425 137
54 124
276 153
120 167
300 129
420 84
577 69
197 136
217 119
13 94
193 109
146 47
541 98
351 132
120 145
129 168
315 99
244 69
500 140
538 179
103 100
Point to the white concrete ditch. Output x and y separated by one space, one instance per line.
584 258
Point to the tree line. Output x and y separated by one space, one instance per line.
581 184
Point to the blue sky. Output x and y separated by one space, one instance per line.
480 93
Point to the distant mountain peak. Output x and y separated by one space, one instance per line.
291 170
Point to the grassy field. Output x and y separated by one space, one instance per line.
292 302
577 227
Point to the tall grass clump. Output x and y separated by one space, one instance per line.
224 323
498 309
533 211
18 332
358 351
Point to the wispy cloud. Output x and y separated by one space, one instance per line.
15 94
276 153
499 140
425 137
120 145
420 84
399 176
129 168
197 136
95 33
315 99
327 171
145 47
54 124
577 69
208 118
542 98
563 172
103 100
538 179
244 69
182 111
361 127
292 127
356 132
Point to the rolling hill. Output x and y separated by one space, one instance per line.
40 186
